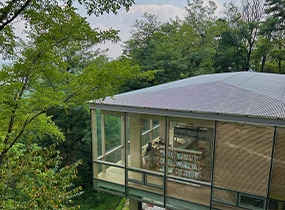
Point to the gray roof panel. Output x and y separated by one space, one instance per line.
240 93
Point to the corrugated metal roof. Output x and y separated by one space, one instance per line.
239 93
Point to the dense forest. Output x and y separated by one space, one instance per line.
45 147
244 37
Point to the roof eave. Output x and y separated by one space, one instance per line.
191 114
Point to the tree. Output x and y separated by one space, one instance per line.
198 31
141 48
242 33
31 177
275 20
41 77
26 10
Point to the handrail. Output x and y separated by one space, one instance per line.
111 151
150 130
183 150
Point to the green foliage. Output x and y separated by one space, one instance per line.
121 204
175 49
54 70
31 177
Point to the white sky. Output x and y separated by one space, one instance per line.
165 9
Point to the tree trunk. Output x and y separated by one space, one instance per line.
263 63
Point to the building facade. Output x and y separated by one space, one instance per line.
207 142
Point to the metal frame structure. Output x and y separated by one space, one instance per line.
247 120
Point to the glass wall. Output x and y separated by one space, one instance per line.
190 148
146 133
242 157
170 159
110 137
188 162
277 187
145 182
276 205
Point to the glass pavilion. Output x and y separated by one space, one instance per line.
207 142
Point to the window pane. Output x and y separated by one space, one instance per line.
154 188
242 157
145 196
182 205
191 147
145 125
277 187
224 196
109 187
251 202
111 138
154 180
224 206
142 152
276 205
137 176
189 192
109 173
112 132
145 139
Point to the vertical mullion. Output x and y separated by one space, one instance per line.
166 145
213 163
271 166
125 151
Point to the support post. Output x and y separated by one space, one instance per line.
135 205
151 130
103 140
122 139
135 141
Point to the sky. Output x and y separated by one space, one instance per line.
165 9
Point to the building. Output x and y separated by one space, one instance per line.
216 142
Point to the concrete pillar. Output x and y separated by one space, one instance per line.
150 128
162 128
135 205
135 141
280 206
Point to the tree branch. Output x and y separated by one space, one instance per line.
18 12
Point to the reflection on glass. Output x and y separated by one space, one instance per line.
276 205
111 137
224 206
188 191
224 196
242 157
190 148
109 187
251 201
182 205
145 196
277 186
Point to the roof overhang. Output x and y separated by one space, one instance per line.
187 114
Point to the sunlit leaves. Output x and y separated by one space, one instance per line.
31 177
